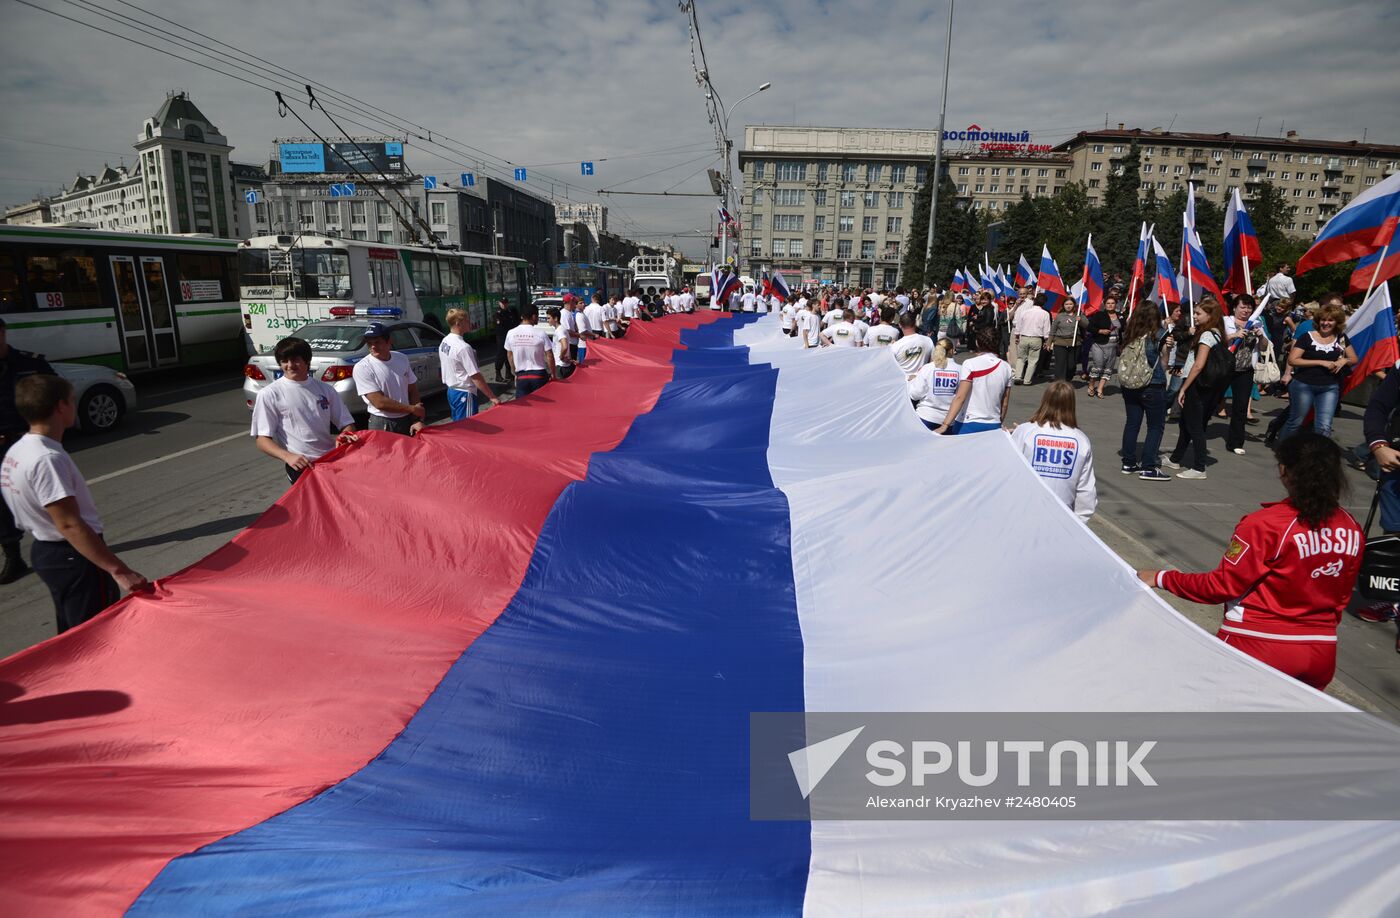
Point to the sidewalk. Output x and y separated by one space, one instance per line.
1186 524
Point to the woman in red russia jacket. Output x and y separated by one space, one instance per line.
1289 570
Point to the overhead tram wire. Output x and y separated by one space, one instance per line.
480 164
283 107
313 102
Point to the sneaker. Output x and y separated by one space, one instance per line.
1153 475
1377 613
1172 464
1191 475
14 567
1238 450
1129 467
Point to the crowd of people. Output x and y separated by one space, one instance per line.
1282 604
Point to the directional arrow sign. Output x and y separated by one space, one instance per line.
586 168
520 175
251 197
429 182
468 179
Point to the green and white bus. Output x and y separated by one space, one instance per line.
288 281
131 301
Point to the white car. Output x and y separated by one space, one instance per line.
338 344
104 395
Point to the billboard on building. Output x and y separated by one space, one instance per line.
364 156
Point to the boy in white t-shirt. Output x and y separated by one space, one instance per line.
47 495
785 319
294 418
457 364
884 334
841 334
1058 451
806 325
386 381
563 355
984 390
912 350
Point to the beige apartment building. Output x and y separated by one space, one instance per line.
834 204
1317 176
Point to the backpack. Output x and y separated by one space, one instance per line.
1134 372
1220 363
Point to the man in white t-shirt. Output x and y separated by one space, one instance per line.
883 334
913 350
686 301
295 418
835 313
775 303
807 326
1280 286
861 326
902 299
750 301
48 497
984 389
460 374
612 314
597 318
627 311
531 356
841 334
785 319
736 301
385 380
563 355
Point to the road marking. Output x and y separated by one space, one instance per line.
176 455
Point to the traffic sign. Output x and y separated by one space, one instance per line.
251 197
468 179
520 175
336 190
347 189
585 168
429 182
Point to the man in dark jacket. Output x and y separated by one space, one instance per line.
1382 427
506 319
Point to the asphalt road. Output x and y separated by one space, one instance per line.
181 476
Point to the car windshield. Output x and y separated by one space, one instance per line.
338 338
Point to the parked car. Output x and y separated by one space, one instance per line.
338 344
543 305
104 395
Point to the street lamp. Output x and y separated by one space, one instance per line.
728 173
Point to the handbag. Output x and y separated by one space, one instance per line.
1266 371
1379 580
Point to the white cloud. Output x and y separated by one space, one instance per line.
535 81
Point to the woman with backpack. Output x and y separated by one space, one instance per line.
1204 375
1319 359
1142 378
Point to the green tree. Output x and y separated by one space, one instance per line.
1116 239
912 265
1021 232
955 236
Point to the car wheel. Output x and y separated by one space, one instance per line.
100 409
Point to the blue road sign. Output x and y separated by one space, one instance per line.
251 197
585 168
468 179
336 190
520 175
347 189
429 182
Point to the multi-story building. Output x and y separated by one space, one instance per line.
593 216
32 213
1317 176
182 181
835 204
460 217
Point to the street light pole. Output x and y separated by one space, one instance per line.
728 171
938 148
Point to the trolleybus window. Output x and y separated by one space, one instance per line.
509 278
493 276
254 268
66 279
324 275
204 278
424 275
450 272
9 282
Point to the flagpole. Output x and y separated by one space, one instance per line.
1248 281
938 148
1375 275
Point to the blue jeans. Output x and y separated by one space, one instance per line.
1390 502
529 381
971 427
1320 400
1150 403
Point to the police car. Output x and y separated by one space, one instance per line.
338 343
544 303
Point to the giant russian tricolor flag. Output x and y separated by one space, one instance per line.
507 667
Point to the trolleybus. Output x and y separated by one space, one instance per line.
287 281
131 301
583 279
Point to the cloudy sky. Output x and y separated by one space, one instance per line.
535 83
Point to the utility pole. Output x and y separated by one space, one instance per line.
938 148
